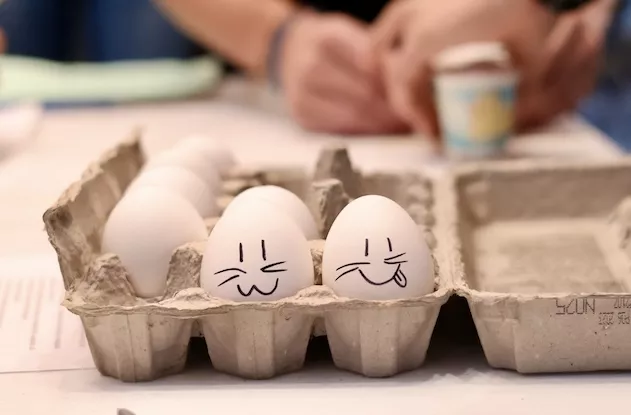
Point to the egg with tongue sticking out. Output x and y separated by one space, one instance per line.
375 251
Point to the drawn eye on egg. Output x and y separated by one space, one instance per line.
363 267
236 272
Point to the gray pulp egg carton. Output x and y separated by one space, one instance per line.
135 339
542 252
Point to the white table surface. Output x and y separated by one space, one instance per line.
461 386
253 124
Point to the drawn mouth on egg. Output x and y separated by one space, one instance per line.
399 278
254 288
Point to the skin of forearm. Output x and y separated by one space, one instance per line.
239 30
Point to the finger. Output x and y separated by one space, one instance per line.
395 91
385 119
330 78
372 109
377 114
534 105
544 104
349 48
577 75
589 59
527 37
326 114
348 43
562 50
409 90
421 99
579 83
543 90
386 31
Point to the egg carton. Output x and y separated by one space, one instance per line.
542 253
136 339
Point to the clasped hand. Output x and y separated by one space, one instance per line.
342 76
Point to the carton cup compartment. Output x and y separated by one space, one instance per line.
380 342
138 347
543 265
133 345
257 344
139 339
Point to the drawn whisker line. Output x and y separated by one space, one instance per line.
395 262
352 264
347 272
394 257
230 269
266 268
228 280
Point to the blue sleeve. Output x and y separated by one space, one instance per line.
609 106
618 46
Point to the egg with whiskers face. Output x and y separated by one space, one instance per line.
256 254
375 251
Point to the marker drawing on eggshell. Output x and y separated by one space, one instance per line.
381 260
398 277
266 269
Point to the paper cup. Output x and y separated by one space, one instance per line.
476 112
475 97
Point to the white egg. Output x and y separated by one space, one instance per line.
217 154
375 251
256 255
281 199
190 159
183 182
144 229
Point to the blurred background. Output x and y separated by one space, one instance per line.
90 33
77 76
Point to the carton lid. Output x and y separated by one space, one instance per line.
467 54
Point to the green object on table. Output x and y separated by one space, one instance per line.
24 78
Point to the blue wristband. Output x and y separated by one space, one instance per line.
275 51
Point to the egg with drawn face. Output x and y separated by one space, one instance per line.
257 253
375 251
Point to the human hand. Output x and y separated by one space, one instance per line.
330 78
567 66
409 33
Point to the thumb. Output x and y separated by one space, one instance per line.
410 94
